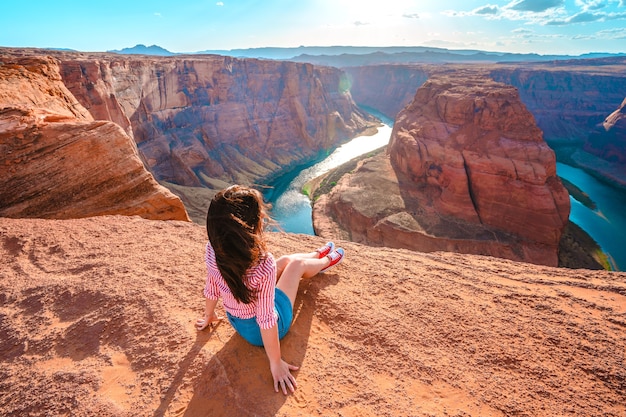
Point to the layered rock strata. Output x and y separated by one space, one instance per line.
207 121
609 140
467 170
57 162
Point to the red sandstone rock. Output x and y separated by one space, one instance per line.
56 162
470 173
98 322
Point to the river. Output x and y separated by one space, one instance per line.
607 222
292 209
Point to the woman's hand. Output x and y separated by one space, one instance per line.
203 322
281 372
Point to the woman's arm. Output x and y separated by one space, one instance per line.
209 315
281 370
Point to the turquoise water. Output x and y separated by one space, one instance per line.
292 209
607 223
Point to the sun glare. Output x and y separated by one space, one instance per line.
372 12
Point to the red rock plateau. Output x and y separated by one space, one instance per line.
389 332
467 171
57 162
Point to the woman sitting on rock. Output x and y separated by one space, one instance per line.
257 291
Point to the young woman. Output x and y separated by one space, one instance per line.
258 292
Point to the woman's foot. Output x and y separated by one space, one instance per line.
336 256
325 250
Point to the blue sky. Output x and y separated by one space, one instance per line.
540 26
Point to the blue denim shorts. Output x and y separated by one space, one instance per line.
249 329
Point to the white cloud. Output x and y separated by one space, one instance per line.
486 10
534 5
585 17
219 3
523 33
609 34
411 15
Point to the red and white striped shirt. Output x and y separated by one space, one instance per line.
261 279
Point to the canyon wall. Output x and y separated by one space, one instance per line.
608 140
208 121
604 153
568 99
467 170
57 162
387 88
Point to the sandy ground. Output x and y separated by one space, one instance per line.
96 319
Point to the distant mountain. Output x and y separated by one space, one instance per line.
349 56
144 50
288 53
345 56
62 49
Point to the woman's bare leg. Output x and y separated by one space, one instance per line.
282 262
297 268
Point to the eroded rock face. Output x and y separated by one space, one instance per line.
470 172
57 162
570 98
212 120
608 141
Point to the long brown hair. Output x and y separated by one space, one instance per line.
234 224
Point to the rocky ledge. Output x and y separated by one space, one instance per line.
466 171
57 162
